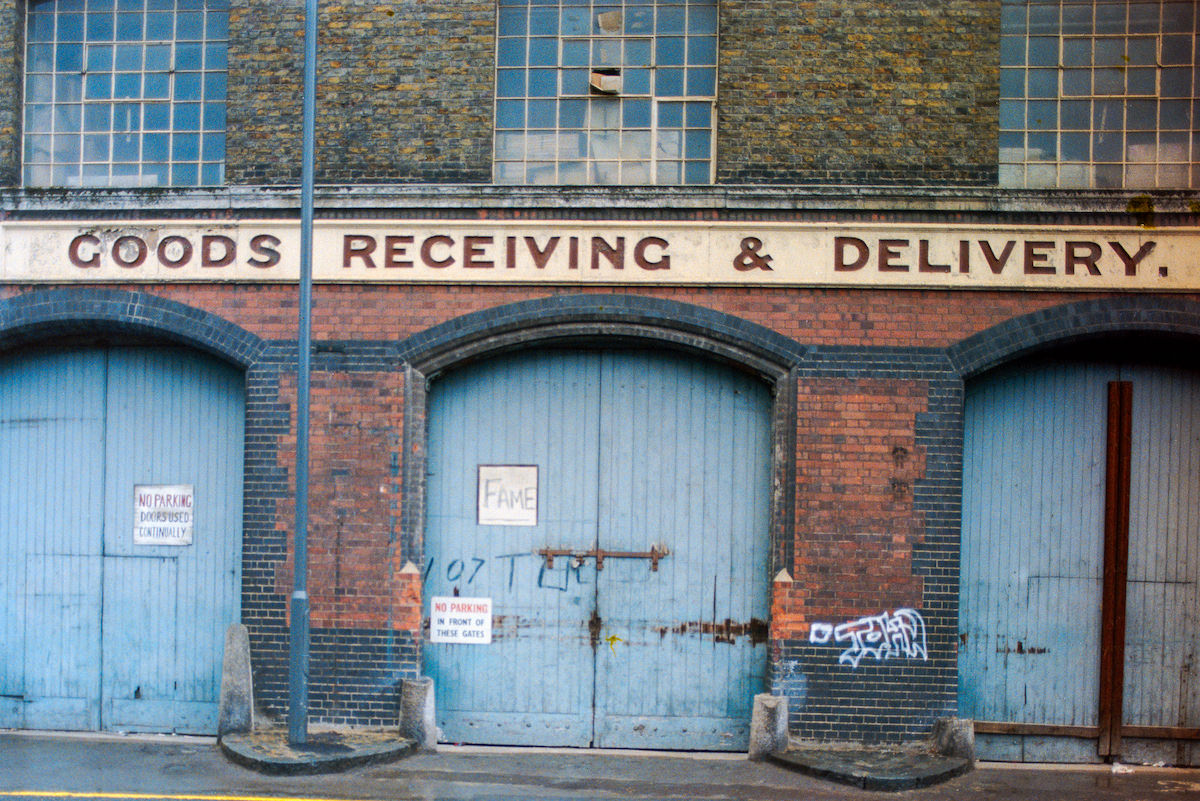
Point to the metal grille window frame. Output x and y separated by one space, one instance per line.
1099 94
605 92
125 93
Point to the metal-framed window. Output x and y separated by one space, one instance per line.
1099 93
125 93
605 92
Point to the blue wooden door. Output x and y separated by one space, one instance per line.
100 632
684 463
1162 630
635 451
1033 556
533 684
51 522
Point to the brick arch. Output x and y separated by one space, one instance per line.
1073 323
51 313
603 320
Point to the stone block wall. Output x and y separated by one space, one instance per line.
12 61
858 92
404 92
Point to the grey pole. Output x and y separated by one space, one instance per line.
298 649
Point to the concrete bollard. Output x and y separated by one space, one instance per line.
235 710
768 726
418 721
955 737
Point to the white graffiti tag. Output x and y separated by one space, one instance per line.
883 636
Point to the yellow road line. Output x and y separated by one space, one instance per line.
154 796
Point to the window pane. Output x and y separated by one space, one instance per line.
187 86
155 146
701 81
636 82
68 57
543 52
98 86
699 115
635 145
158 116
510 83
636 114
572 113
129 57
543 83
697 172
213 147
696 144
669 51
511 22
1075 146
185 147
159 58
670 20
510 52
189 26
668 82
702 50
159 27
125 147
97 117
670 115
576 53
39 117
99 57
542 113
1043 51
127 85
510 114
129 27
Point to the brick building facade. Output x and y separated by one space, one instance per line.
854 252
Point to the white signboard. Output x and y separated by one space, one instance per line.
576 253
508 495
163 514
462 620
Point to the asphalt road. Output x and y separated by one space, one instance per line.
75 768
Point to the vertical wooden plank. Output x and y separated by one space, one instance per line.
51 457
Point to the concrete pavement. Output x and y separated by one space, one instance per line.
34 766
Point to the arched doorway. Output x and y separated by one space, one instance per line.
628 589
1081 555
120 536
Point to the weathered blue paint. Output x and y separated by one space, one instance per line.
138 642
51 519
1032 552
634 450
1162 631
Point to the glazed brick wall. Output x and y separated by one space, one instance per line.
11 68
877 463
858 92
365 607
404 92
